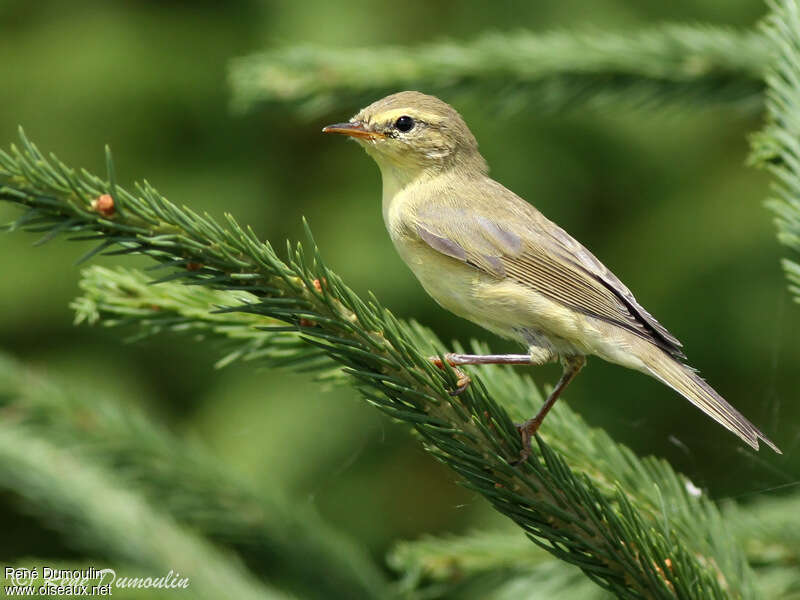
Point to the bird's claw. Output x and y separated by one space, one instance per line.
526 432
462 379
462 383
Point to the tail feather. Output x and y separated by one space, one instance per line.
690 385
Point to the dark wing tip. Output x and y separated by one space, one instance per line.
768 442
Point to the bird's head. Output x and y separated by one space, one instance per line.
413 133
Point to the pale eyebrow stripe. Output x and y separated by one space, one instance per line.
392 115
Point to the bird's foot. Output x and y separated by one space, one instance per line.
526 431
462 379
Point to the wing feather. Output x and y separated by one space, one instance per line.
512 239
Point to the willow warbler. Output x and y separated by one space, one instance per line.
485 254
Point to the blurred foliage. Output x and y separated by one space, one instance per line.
776 147
663 200
103 445
95 509
555 71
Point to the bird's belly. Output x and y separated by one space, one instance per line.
504 307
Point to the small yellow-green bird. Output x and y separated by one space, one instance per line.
486 255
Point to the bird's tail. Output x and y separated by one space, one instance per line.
690 385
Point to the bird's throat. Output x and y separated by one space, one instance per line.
395 181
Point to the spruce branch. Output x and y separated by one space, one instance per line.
768 530
286 542
123 297
87 503
657 66
777 146
626 528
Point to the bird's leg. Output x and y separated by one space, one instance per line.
572 366
477 359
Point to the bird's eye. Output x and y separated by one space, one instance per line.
404 124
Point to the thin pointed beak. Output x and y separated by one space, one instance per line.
356 130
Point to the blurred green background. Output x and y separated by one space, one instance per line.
663 199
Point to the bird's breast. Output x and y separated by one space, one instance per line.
451 283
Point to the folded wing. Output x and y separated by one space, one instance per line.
513 240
